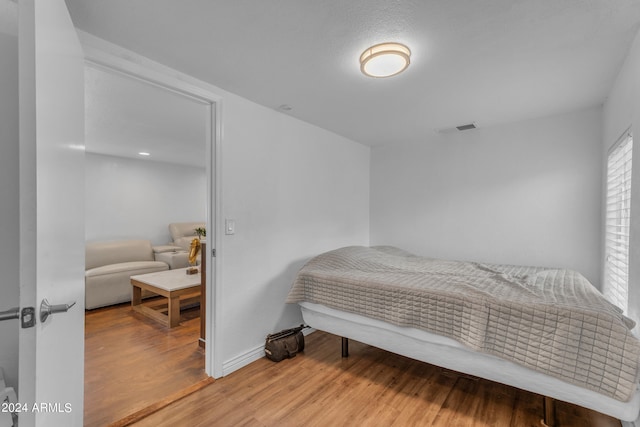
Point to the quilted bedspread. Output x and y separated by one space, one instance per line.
550 320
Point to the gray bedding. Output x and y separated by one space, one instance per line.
551 320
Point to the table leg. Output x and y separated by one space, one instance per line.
173 311
136 298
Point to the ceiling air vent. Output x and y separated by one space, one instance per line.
458 128
467 127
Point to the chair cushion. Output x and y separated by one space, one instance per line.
160 249
98 254
132 268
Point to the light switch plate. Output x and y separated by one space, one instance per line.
229 226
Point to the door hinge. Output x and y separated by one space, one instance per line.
213 253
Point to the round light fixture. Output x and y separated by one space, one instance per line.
385 60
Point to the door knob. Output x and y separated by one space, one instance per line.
47 309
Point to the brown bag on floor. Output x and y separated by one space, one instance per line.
284 344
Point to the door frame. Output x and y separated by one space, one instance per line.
112 58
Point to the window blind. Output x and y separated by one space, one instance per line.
618 214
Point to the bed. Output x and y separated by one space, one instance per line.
548 331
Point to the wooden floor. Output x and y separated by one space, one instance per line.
370 388
132 361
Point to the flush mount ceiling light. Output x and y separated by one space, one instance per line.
385 60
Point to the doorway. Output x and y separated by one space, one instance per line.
150 157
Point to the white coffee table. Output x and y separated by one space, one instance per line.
175 285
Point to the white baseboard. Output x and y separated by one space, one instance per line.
242 360
252 355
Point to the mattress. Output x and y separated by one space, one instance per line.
451 354
552 321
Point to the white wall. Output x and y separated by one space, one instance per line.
525 193
294 191
9 204
622 111
129 198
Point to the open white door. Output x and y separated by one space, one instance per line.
51 214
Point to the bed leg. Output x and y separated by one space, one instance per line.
345 347
549 409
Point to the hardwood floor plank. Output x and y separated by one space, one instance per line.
370 388
527 410
499 401
459 408
154 407
132 362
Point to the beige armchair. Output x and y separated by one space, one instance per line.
183 233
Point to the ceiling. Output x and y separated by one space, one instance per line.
125 116
483 61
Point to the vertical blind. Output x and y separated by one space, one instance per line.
618 214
